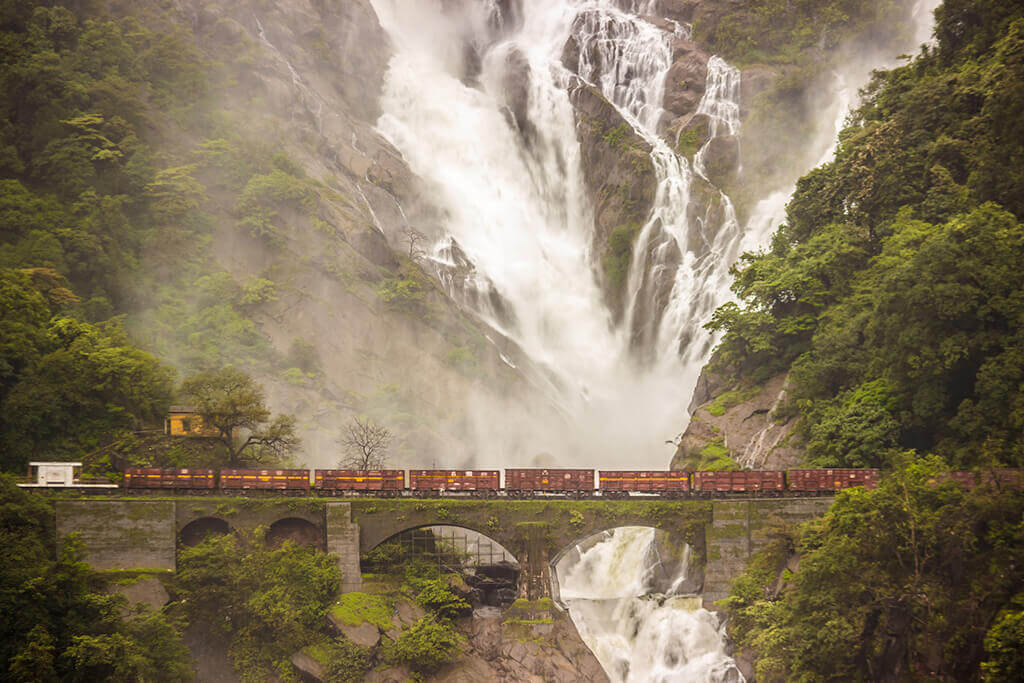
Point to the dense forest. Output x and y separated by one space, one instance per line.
892 296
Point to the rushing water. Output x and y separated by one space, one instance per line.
638 634
476 99
492 135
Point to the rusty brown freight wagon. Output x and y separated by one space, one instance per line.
265 479
473 481
163 478
1003 478
742 481
621 482
525 481
387 482
827 481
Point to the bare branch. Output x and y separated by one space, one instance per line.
365 444
414 238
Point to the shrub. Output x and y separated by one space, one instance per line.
425 647
436 596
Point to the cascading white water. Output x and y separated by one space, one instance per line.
515 203
636 635
493 138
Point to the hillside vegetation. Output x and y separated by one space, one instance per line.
893 298
893 293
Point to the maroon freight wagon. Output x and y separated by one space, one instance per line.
1003 478
158 478
621 483
265 479
385 482
964 478
740 481
480 482
819 482
526 481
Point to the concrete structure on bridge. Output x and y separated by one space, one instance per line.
136 533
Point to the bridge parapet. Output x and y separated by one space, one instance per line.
144 534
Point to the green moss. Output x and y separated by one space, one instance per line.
688 142
355 609
730 399
619 253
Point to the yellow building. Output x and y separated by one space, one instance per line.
186 421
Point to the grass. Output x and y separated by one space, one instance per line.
355 609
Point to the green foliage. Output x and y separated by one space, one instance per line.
344 662
1004 645
356 608
403 294
266 195
66 384
264 603
60 623
892 291
777 31
425 647
229 401
872 594
436 596
618 255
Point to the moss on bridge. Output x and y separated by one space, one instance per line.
513 522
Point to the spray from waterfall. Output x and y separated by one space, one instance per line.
634 620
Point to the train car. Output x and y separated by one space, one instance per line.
964 478
163 478
619 483
758 483
381 482
1002 478
435 482
520 482
279 480
822 482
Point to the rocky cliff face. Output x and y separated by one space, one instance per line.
739 423
381 337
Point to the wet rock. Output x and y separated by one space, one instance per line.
742 420
407 613
685 81
372 245
617 170
516 87
722 159
365 635
309 668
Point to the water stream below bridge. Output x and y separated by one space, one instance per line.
506 174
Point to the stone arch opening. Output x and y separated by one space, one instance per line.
197 530
489 569
297 530
626 561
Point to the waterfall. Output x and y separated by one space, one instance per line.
638 634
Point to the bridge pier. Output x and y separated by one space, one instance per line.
343 540
534 563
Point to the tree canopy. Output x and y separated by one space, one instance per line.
231 402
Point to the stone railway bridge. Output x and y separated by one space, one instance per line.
145 533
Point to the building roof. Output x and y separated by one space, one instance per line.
182 409
40 464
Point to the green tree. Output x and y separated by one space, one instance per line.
872 598
264 603
229 401
61 622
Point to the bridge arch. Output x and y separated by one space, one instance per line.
198 529
297 530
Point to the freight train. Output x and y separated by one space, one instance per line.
529 483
